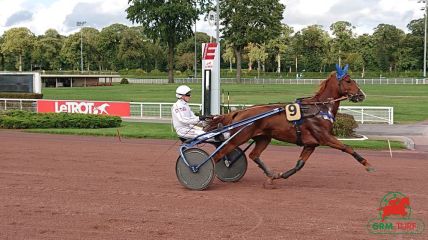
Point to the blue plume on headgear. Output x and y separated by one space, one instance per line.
340 73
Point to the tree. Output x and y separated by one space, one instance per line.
47 48
387 43
251 57
131 48
314 47
342 41
108 45
246 21
364 45
416 27
18 41
169 21
188 46
91 52
186 61
279 45
296 49
257 52
406 58
2 67
70 51
414 42
355 61
229 56
155 56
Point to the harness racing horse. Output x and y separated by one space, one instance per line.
315 128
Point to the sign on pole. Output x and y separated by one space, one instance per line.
210 78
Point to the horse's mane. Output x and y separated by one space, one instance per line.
323 85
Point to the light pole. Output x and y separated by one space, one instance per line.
424 8
196 59
218 23
81 24
216 83
425 39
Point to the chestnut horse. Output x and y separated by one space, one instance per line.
314 129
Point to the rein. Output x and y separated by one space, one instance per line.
327 102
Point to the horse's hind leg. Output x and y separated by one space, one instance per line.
304 155
261 143
334 143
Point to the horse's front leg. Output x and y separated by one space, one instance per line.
304 155
334 143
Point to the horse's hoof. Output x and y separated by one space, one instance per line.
274 176
268 184
371 169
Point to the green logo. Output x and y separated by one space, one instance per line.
395 216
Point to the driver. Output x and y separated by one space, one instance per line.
186 123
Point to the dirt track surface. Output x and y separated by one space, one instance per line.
74 187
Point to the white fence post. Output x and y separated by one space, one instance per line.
141 110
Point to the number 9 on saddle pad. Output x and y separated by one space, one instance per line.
292 112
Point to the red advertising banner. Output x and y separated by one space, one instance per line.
121 109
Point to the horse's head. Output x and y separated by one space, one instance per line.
405 201
347 86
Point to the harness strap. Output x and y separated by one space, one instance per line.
297 124
328 116
299 141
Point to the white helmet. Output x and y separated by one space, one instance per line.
182 90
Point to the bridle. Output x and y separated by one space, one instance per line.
341 92
345 92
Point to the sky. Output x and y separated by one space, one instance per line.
62 15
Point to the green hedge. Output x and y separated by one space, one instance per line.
345 125
23 119
21 95
124 81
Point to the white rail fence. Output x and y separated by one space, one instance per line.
18 104
370 114
379 81
362 114
153 110
162 111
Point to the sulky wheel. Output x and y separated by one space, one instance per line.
233 170
199 180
